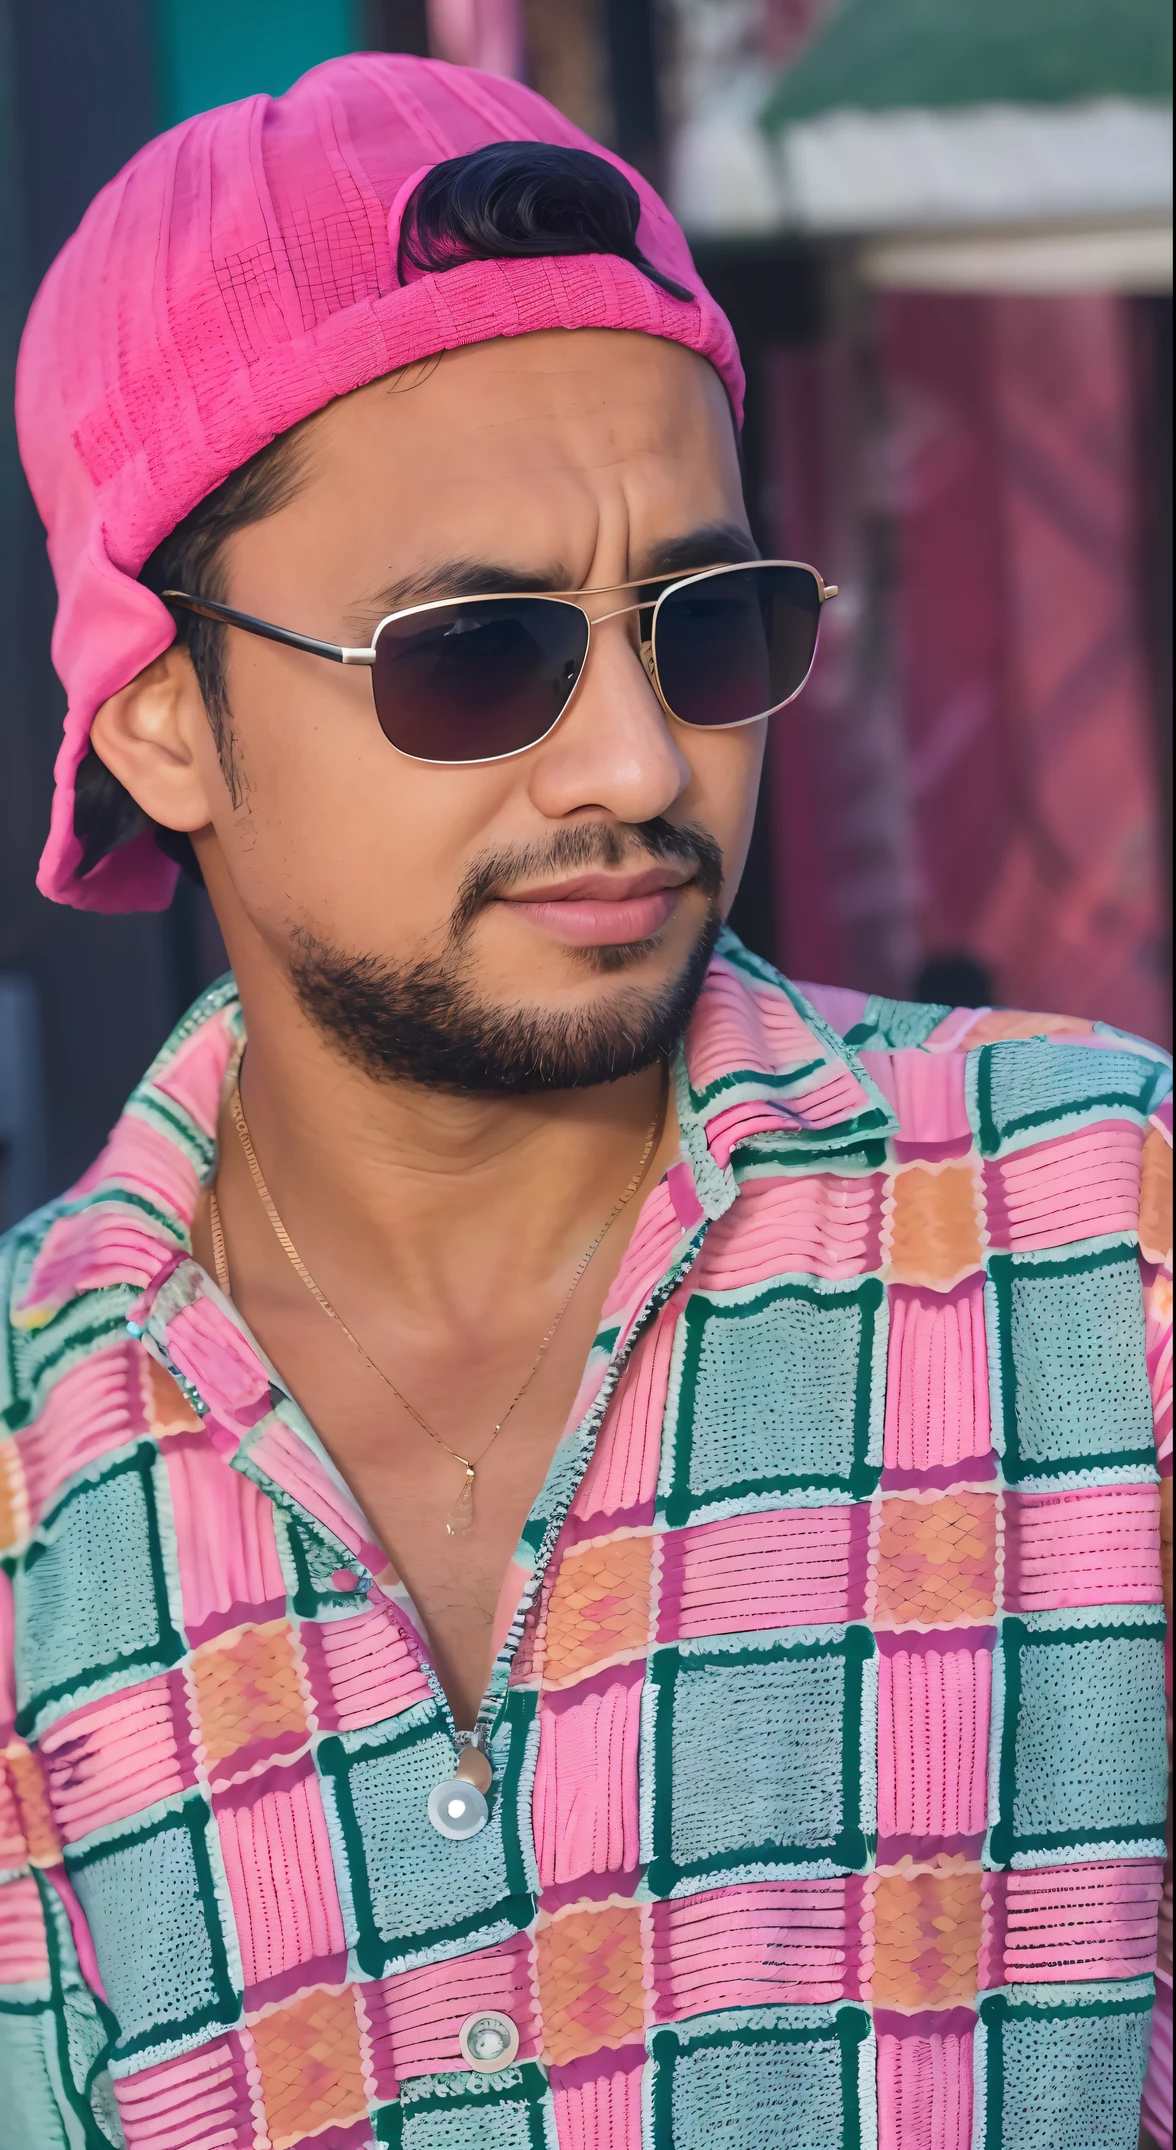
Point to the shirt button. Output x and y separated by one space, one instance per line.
344 1579
488 2041
458 1809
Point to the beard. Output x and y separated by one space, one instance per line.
425 1022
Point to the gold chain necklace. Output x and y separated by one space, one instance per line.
461 1515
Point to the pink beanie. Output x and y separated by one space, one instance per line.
237 275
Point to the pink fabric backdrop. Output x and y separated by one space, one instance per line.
976 768
478 33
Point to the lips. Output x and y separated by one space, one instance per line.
598 910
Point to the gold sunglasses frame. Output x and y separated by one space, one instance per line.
339 653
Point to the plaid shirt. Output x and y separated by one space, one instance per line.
827 1722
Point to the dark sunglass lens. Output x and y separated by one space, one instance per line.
736 644
468 682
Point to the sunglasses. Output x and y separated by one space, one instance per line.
477 679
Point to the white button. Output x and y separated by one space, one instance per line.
457 1809
488 2041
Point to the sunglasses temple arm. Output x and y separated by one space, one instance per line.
225 615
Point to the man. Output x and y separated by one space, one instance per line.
583 1526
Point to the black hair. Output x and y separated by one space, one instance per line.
508 201
512 200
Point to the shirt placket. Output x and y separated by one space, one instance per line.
336 1558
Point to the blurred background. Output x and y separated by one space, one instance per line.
942 230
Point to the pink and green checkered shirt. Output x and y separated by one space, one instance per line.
827 1720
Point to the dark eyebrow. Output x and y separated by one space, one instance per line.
453 578
713 545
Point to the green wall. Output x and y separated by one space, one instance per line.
212 51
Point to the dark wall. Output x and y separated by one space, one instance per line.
774 295
76 99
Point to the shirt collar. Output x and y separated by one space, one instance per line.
760 1074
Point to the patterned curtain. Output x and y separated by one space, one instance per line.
478 33
982 749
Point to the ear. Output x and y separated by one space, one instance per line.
155 737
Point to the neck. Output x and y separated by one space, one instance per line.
418 1186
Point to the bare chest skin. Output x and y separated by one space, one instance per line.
460 1376
406 1485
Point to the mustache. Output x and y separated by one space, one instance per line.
590 844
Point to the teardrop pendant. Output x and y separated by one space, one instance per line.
461 1515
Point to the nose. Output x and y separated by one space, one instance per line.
614 750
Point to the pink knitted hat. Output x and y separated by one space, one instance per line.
237 275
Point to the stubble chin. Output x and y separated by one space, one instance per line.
429 1022
434 1021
